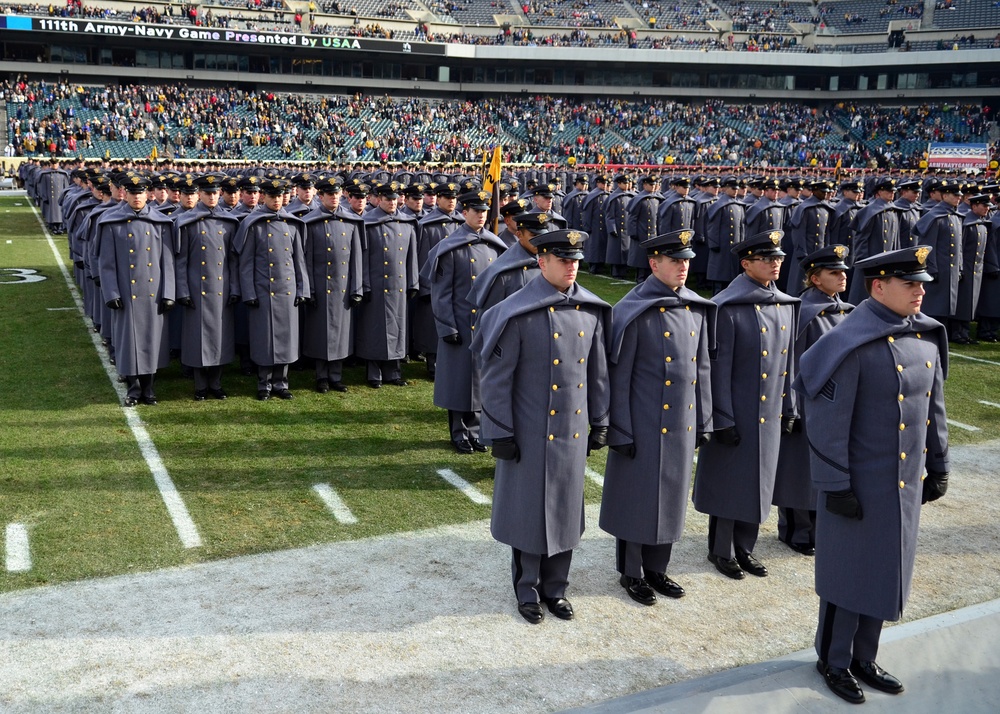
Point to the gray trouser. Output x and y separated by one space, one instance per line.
637 559
463 425
539 577
797 526
207 378
331 371
383 370
843 635
725 535
273 377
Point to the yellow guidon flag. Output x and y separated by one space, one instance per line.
491 185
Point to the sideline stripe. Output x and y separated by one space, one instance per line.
471 492
18 552
989 404
333 502
595 477
974 359
960 425
59 309
186 528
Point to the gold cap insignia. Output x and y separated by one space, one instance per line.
775 237
573 237
483 195
685 237
839 251
210 179
542 217
135 180
921 254
452 187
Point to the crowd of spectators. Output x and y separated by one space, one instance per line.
220 123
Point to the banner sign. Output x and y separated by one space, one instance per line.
214 34
958 156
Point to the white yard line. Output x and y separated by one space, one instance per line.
595 477
18 552
334 503
960 425
470 491
974 359
989 404
185 526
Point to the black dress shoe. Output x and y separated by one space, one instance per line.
263 395
876 677
560 607
149 401
282 393
130 401
479 446
322 386
531 611
727 566
750 564
802 548
218 393
664 585
398 382
841 682
200 395
338 386
638 590
463 446
374 384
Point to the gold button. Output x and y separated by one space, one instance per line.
555 361
668 383
902 484
891 339
689 428
578 411
692 333
928 365
576 436
902 456
757 308
581 360
552 309
580 385
581 335
902 426
899 368
666 334
551 437
555 335
900 397
763 397
670 359
762 420
764 353
663 431
663 309
764 375
763 329
666 406
928 422
555 387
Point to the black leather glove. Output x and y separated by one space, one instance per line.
506 449
79 264
411 293
788 424
186 302
455 339
298 300
164 307
424 298
366 297
233 299
935 486
115 304
716 250
843 503
598 438
703 438
353 302
97 282
626 450
252 303
728 436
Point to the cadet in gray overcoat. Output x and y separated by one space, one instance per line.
940 228
724 225
821 309
640 224
544 382
615 225
334 262
875 230
661 335
874 401
592 222
975 232
389 278
752 371
451 271
208 286
988 308
273 283
136 266
514 268
808 224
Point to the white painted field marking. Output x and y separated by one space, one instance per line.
974 359
989 404
185 526
59 309
470 491
336 506
960 425
18 552
595 477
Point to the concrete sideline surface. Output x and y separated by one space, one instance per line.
948 663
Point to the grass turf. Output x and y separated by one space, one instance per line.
70 469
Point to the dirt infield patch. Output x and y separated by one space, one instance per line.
426 622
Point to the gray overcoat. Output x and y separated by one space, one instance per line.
941 229
208 273
504 277
615 226
724 226
875 230
434 227
592 220
879 378
752 372
544 382
975 231
661 398
136 264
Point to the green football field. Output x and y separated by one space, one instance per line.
90 489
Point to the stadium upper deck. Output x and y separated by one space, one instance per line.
683 48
